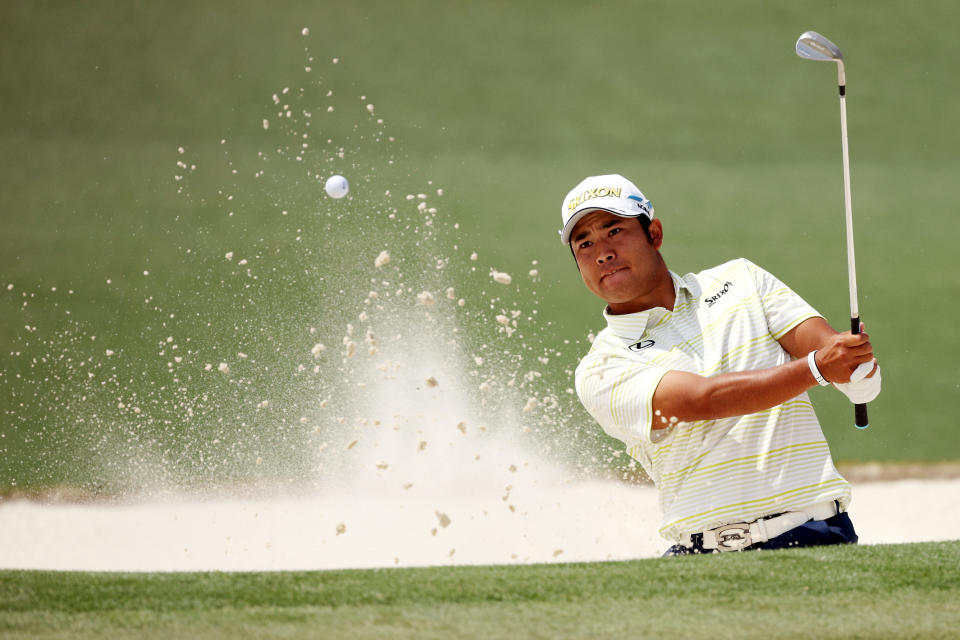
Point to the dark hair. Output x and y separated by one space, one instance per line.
644 222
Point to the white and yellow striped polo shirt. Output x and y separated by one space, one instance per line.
712 472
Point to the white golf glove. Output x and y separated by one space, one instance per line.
861 389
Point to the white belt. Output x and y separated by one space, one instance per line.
739 535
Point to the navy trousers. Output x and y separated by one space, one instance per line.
835 530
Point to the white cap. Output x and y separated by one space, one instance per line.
612 193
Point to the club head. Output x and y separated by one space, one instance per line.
813 46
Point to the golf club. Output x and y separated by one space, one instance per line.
813 46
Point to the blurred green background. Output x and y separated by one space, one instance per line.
503 105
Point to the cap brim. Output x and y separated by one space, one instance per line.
578 216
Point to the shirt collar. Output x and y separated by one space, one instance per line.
632 325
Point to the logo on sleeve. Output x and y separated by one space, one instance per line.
643 344
712 300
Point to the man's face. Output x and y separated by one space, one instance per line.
617 261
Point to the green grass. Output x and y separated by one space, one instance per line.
505 106
898 591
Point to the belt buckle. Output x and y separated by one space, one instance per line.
733 537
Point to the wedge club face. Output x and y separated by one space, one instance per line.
813 46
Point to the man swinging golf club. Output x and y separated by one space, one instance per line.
704 379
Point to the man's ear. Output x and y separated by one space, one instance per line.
656 233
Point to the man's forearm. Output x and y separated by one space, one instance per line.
690 397
809 335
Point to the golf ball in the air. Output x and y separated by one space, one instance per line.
337 186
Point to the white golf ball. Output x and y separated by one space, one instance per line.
337 186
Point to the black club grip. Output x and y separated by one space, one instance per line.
859 410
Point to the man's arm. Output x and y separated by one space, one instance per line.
810 334
814 334
690 397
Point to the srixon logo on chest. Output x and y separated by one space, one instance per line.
712 300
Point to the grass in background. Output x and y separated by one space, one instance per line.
504 106
900 591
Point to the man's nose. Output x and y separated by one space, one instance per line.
605 256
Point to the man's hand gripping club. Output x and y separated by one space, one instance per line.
833 360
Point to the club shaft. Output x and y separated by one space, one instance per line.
848 206
861 419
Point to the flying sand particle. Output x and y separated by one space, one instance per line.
224 367
305 31
462 427
341 528
352 445
500 276
443 518
317 350
382 259
426 298
432 382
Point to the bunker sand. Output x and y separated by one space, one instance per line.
548 520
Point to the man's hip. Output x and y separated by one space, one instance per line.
820 524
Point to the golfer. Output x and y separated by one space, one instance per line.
704 379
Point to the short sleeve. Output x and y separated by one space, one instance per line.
618 393
782 308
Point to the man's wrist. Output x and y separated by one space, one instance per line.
812 363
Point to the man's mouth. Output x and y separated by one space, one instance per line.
604 275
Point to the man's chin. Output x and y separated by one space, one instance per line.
616 287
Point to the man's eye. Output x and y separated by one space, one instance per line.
615 231
584 244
